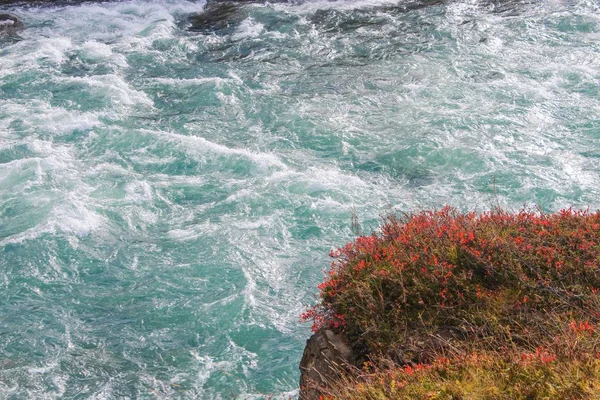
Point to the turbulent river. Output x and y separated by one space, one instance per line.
169 193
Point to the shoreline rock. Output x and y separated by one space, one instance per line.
325 357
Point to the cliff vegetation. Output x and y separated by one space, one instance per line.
451 305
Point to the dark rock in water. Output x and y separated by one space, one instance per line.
509 8
209 2
9 25
344 20
217 16
222 16
51 3
333 20
45 2
325 357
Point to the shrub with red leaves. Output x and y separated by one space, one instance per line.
449 283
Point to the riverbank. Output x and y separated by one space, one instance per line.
450 305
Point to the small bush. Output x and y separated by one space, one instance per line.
448 284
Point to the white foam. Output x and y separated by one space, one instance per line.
139 192
75 219
235 77
576 167
70 209
138 218
207 365
309 7
43 370
248 28
196 145
319 178
192 81
193 232
40 116
34 55
98 52
114 169
113 87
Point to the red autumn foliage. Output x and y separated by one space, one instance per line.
445 282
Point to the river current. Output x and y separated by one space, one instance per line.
169 194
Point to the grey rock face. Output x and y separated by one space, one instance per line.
325 357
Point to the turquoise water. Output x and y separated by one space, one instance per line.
168 198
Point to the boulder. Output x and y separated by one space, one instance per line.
216 17
9 25
325 357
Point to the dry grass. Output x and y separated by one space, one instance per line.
493 376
